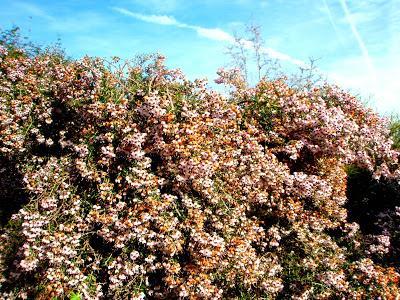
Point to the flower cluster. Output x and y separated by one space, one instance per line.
138 183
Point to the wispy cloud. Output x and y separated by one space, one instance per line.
79 22
361 17
156 19
328 10
33 10
216 34
360 41
394 17
284 57
210 33
350 73
213 33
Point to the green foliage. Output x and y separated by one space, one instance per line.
75 296
395 131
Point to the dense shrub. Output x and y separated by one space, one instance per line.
129 181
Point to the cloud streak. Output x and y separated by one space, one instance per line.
394 16
216 34
213 33
360 42
156 19
332 22
33 10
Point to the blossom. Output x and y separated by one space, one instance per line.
138 183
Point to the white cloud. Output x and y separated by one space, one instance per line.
326 9
360 42
284 57
210 33
156 19
272 53
33 10
216 34
361 17
385 92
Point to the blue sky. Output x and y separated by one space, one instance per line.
356 42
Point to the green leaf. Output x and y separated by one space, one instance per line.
74 296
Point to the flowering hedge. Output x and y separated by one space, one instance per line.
133 182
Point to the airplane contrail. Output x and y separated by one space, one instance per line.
331 20
360 42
